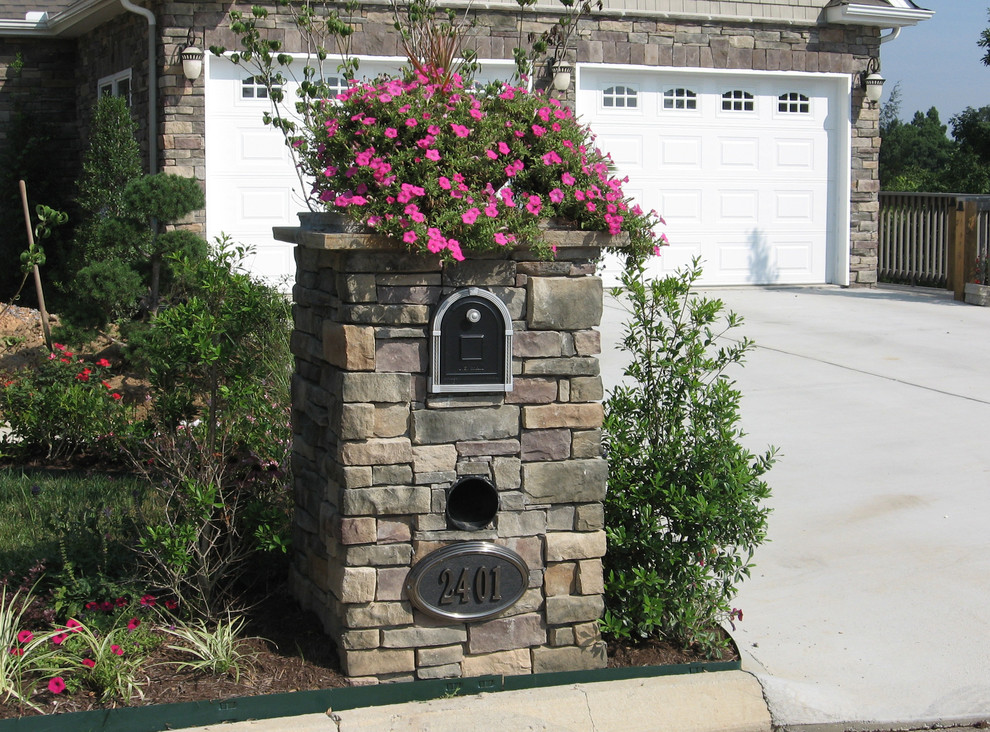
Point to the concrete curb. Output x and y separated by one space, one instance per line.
728 701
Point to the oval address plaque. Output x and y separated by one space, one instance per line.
471 580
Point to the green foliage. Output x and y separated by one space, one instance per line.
219 365
122 244
914 156
62 407
107 663
21 651
162 198
106 290
112 160
684 509
219 650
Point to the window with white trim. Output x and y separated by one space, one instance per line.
253 87
115 85
737 100
620 97
680 98
793 103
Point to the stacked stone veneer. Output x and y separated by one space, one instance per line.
374 455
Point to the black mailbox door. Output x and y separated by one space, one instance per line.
472 343
472 339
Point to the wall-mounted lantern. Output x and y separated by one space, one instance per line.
192 62
871 80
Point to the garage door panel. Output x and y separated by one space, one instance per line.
737 153
627 151
795 155
737 207
794 207
681 152
681 206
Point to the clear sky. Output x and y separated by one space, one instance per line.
937 62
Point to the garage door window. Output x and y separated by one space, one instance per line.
620 97
254 87
737 100
680 98
793 103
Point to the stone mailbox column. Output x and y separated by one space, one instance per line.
375 455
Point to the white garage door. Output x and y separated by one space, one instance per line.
740 166
251 184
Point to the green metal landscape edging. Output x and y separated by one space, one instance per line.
161 717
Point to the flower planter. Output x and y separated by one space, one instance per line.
977 294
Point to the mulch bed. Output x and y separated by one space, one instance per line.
295 655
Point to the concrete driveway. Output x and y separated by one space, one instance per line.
870 603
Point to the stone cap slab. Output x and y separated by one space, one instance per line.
349 241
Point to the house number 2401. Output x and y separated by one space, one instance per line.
486 585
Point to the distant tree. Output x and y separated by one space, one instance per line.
984 42
914 156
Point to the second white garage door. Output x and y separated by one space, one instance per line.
742 167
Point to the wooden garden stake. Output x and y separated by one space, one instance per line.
37 273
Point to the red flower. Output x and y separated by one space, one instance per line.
73 625
56 685
117 649
171 604
89 662
25 636
58 639
103 363
121 601
16 651
133 623
92 605
148 600
106 606
83 375
116 396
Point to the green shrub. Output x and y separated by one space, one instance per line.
219 363
684 508
62 407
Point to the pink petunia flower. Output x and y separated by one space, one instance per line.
89 663
433 154
25 636
470 216
460 130
391 132
556 195
56 685
73 625
117 650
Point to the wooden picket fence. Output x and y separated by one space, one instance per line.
932 239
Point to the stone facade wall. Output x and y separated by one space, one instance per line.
37 82
374 455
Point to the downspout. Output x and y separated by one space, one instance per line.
894 32
152 84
